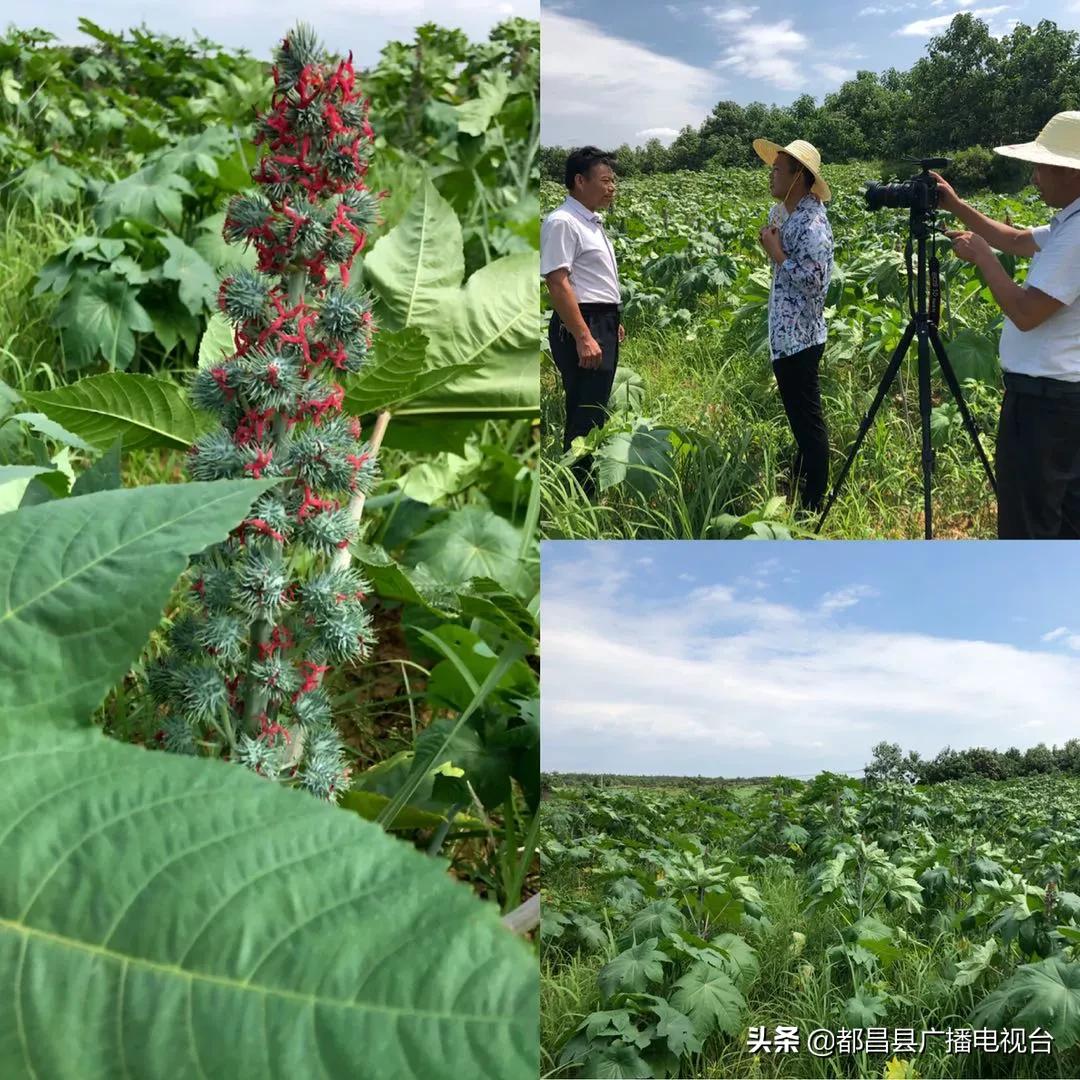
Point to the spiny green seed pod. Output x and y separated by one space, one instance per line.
326 532
259 586
225 636
342 313
343 635
277 677
178 736
215 457
313 708
202 692
269 380
246 216
245 297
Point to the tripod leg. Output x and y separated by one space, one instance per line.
924 418
883 388
965 414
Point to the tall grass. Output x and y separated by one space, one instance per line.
728 399
31 356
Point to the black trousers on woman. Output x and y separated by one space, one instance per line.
800 390
587 389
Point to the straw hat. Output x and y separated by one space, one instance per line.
1057 144
804 153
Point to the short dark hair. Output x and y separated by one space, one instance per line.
583 159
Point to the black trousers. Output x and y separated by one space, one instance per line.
587 389
800 390
1038 460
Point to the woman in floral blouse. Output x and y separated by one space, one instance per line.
799 242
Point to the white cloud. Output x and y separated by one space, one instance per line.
834 73
887 9
766 51
664 134
847 597
601 89
734 14
722 683
927 27
1067 637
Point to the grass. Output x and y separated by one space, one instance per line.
745 448
30 351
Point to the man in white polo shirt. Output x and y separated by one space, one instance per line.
1038 446
578 264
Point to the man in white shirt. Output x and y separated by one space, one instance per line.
1038 446
578 264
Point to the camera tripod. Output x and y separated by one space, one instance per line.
923 327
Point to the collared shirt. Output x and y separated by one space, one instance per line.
1052 349
572 237
800 282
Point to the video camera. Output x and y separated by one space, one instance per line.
919 194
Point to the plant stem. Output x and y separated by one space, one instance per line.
356 503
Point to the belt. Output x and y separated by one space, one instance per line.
1040 386
593 308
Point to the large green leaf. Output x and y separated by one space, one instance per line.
633 969
153 195
84 582
710 998
640 458
14 480
51 429
865 1009
98 319
974 356
475 115
209 923
143 410
1046 995
398 373
49 183
218 342
471 543
416 271
480 598
194 275
216 250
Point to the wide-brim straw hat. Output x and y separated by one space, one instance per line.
804 153
1057 144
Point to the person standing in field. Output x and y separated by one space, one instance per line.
1038 444
578 264
798 240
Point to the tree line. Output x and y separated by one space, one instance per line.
969 93
890 763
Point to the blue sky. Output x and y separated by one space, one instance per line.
363 26
615 73
742 659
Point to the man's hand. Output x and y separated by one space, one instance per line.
622 333
770 241
590 355
947 197
971 247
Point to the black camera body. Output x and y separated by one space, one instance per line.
919 194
